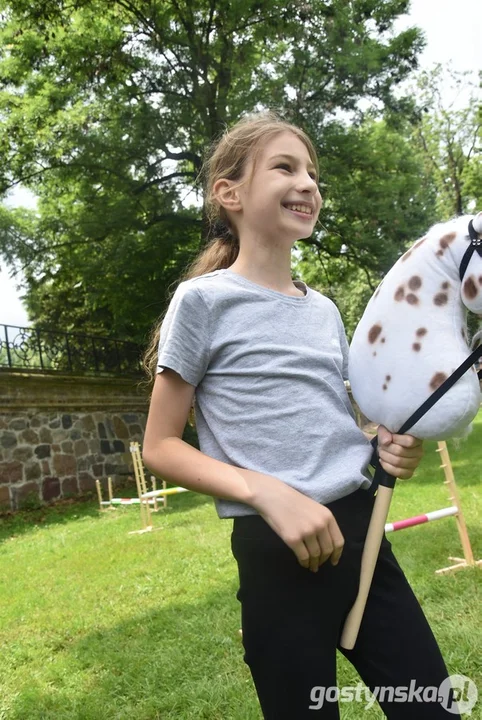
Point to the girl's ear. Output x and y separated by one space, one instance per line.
227 195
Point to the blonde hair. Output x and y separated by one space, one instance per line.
227 158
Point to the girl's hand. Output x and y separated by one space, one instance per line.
399 455
307 527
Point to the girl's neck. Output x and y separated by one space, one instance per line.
267 278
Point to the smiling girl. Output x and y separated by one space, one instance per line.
266 358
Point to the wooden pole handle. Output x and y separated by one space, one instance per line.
371 548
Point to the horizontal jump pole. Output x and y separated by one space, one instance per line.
168 491
124 501
420 519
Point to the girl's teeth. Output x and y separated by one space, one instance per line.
300 208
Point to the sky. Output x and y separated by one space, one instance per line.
452 31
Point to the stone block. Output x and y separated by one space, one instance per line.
130 418
26 495
67 447
32 471
4 497
105 447
70 487
80 448
8 440
42 451
102 431
119 446
120 428
30 437
75 435
22 453
98 469
45 467
55 423
64 465
135 431
88 424
66 421
86 482
50 488
18 424
45 436
11 472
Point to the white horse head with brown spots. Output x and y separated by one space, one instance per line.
413 335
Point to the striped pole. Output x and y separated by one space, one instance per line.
420 519
167 491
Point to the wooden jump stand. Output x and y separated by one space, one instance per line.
147 500
468 559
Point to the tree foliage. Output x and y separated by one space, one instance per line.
108 107
449 136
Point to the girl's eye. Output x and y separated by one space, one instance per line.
284 166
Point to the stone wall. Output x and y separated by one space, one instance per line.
59 433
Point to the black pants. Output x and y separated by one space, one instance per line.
292 619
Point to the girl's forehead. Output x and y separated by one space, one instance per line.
285 143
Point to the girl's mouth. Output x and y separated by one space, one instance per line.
300 210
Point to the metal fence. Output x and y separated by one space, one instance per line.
36 349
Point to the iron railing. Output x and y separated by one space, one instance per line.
51 350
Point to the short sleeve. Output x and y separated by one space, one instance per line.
343 344
184 338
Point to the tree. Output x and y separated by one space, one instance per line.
448 133
107 109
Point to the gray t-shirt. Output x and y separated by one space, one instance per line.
269 373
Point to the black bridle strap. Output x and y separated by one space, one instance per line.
475 246
425 407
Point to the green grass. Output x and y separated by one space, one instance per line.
98 624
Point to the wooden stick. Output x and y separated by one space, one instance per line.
99 494
109 485
371 548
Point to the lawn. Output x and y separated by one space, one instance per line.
99 624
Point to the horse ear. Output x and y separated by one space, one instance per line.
477 223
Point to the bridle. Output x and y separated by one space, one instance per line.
475 246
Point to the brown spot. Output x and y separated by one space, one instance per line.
385 387
437 380
421 332
417 347
420 242
446 240
406 256
441 299
412 299
388 378
439 253
415 283
445 285
470 288
373 334
480 279
374 354
463 333
382 340
400 293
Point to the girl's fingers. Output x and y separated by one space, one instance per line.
400 462
397 471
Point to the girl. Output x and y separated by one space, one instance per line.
281 452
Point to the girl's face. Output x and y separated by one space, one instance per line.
281 197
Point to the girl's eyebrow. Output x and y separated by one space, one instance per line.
292 158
